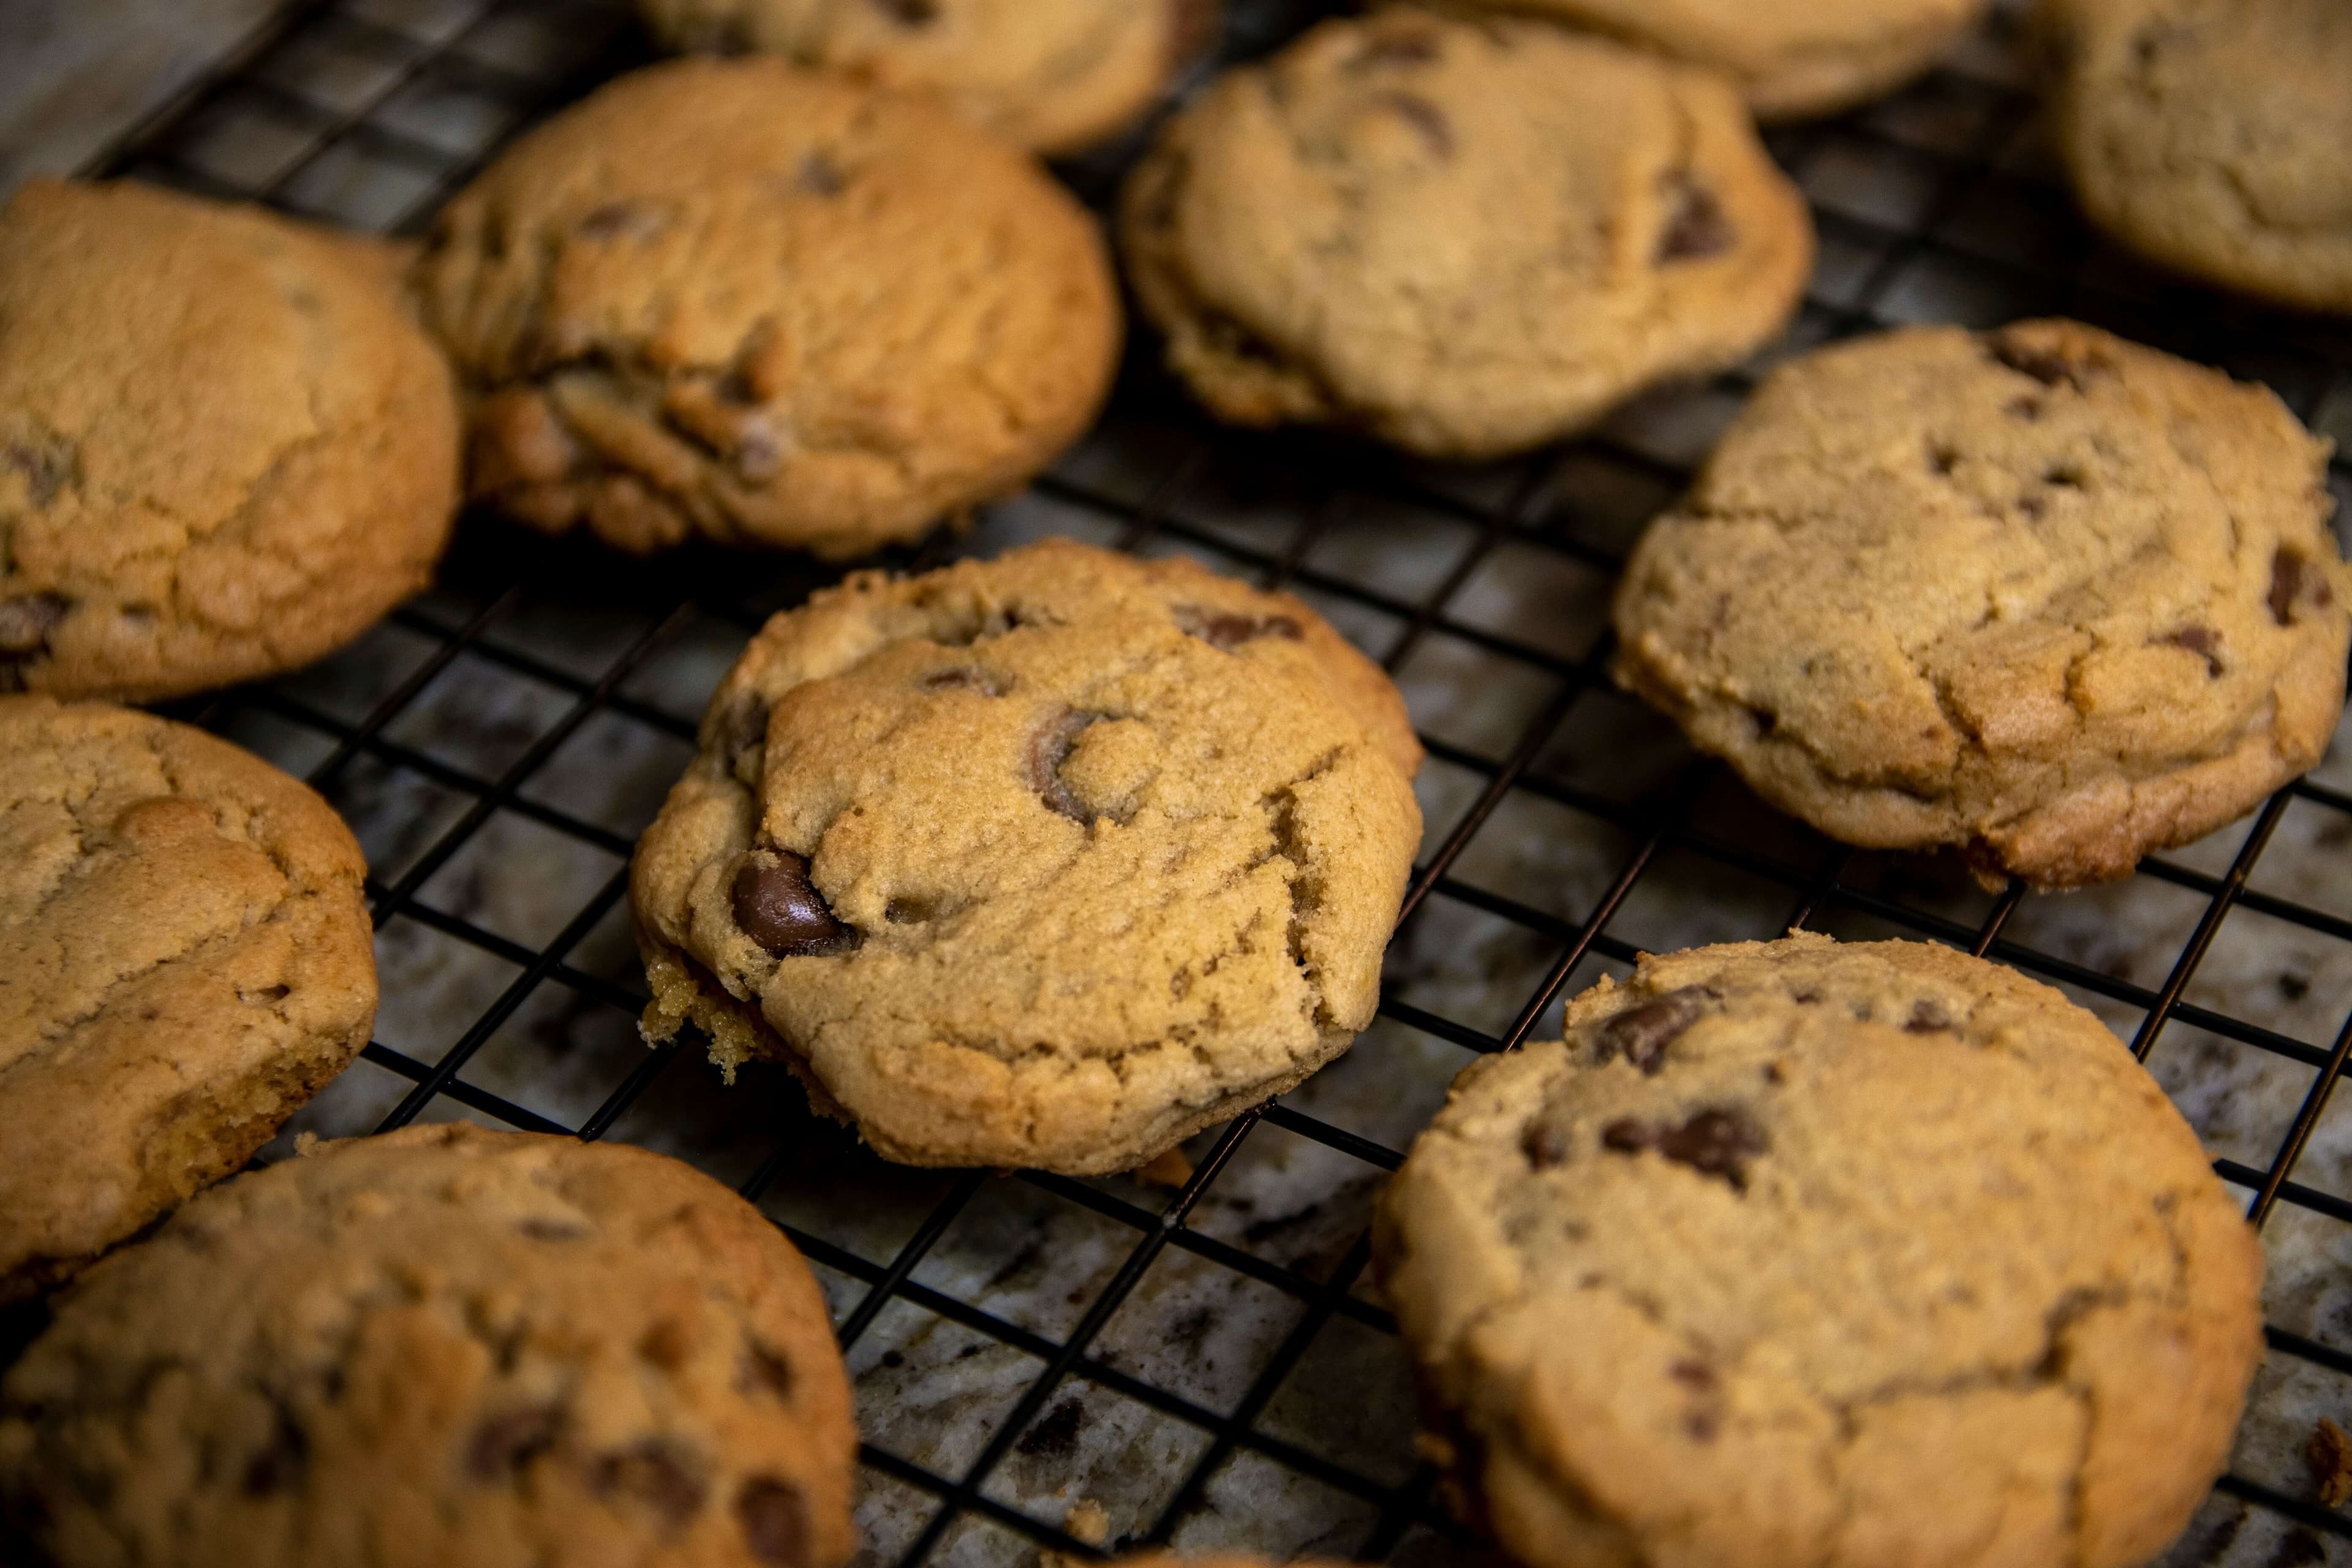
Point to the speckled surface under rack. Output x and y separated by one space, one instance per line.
1206 1365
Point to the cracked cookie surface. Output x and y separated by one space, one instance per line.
1466 237
225 449
1047 861
1808 1253
187 959
2209 135
2040 593
1791 61
439 1346
1055 75
772 306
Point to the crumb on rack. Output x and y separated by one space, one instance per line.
1087 1521
2330 1453
1169 1168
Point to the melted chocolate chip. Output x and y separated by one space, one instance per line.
1227 631
775 1521
1544 1144
1927 1019
909 13
46 465
25 624
821 176
1641 1034
279 1465
653 1473
1694 1375
1048 750
1397 50
1425 117
2286 583
1942 459
779 909
504 1444
2202 640
1697 227
1714 1143
765 1368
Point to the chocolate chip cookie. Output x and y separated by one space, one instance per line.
2040 593
1055 75
740 299
1051 860
444 1346
188 960
2209 135
1465 238
1798 1253
1791 61
225 449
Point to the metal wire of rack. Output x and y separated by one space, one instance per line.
1174 1351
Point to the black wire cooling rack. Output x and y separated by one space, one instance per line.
1078 1365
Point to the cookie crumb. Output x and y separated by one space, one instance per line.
1087 1521
2330 1455
1169 1168
303 1144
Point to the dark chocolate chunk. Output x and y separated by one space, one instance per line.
1712 1143
653 1473
1641 1034
2286 583
1048 750
1424 117
779 909
505 1445
1544 1144
1225 630
1697 227
775 1521
2196 640
25 624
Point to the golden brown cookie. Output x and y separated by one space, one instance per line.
1055 75
188 959
1798 1253
744 300
1466 237
1051 860
226 449
443 1347
2209 134
2040 593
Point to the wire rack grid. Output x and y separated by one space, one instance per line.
1044 1362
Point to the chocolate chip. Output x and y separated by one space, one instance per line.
46 465
782 911
775 1521
1641 1034
1764 720
1048 750
504 1444
821 176
279 1465
1942 458
1927 1019
986 682
2065 475
615 220
1544 1144
25 624
1712 1143
1697 227
1424 117
2286 583
2030 508
2202 640
909 13
653 1473
2046 365
1222 630
1397 50
1694 1375
764 1368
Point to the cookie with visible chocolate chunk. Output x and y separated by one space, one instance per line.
1466 237
1791 61
188 958
1053 75
447 1347
740 298
1798 1252
2040 593
2209 135
1051 860
225 447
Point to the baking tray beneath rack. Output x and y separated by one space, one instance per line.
1206 1365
